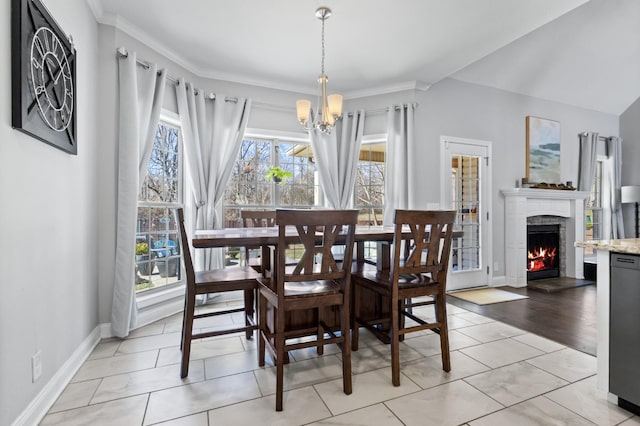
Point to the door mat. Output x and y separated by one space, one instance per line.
487 296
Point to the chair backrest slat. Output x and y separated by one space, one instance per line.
186 252
318 232
427 250
258 218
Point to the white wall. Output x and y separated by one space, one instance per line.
48 222
630 133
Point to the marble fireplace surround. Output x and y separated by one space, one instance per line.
523 203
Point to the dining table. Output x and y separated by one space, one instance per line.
267 238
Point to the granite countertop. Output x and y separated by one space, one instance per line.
627 245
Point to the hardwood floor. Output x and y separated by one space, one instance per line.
567 316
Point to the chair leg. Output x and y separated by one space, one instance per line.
280 351
395 343
187 332
184 319
444 332
355 328
320 332
262 327
249 303
401 320
346 349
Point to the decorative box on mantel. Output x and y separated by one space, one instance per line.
523 203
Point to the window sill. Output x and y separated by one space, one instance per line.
146 301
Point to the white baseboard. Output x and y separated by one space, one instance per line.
498 281
105 330
37 409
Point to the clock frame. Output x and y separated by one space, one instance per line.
43 82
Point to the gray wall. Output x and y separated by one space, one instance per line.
630 133
458 109
48 222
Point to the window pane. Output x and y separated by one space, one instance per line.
157 248
593 211
249 187
369 190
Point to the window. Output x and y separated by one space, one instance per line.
369 190
249 188
157 246
465 200
594 211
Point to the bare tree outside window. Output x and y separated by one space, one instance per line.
250 188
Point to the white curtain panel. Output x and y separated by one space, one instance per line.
588 153
212 131
615 181
399 172
336 156
141 91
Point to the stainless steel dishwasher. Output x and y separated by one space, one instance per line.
624 337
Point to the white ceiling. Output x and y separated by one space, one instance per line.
378 46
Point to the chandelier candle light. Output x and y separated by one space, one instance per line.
329 107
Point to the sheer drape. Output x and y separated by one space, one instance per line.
141 92
587 167
212 131
336 156
398 182
615 181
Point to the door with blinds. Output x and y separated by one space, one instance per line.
466 182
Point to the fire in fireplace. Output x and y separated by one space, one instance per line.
543 251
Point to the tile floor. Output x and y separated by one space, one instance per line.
500 376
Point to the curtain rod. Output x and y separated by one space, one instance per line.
123 53
600 138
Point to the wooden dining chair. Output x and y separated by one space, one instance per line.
256 219
418 270
224 280
316 282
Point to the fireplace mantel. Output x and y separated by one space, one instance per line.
521 203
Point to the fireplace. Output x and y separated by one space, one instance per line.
527 206
543 251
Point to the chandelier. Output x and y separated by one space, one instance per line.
329 108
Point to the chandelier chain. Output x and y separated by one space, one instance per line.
323 18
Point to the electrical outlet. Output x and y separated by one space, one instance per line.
36 366
496 266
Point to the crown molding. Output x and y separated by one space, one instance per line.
96 9
391 88
122 24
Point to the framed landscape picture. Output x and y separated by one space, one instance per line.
543 150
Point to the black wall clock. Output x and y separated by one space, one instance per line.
43 76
